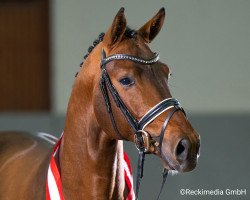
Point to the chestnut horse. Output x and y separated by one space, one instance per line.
91 149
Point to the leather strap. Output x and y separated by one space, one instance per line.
139 175
159 138
109 108
164 178
156 111
119 103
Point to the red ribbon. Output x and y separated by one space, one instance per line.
54 183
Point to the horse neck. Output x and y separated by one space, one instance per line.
90 161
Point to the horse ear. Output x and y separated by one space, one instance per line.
117 29
149 30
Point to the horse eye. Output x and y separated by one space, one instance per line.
127 81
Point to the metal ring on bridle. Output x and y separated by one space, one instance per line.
142 141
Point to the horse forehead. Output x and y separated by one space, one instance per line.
135 47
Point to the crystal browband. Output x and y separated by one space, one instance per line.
149 61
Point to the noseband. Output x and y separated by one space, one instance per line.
143 140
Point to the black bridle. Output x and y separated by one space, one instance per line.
143 140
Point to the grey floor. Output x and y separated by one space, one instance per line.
223 164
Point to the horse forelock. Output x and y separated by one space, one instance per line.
129 33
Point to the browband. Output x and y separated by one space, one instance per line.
149 61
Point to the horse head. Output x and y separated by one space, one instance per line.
130 82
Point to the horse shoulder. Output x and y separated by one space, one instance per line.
24 163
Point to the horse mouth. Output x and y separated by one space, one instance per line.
175 166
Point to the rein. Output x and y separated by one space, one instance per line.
143 140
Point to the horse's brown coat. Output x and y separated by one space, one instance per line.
90 155
23 166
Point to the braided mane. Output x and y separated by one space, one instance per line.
130 33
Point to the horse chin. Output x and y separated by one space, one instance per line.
174 167
188 165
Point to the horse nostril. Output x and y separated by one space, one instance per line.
182 149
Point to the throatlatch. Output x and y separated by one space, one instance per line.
143 139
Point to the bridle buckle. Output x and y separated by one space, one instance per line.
142 141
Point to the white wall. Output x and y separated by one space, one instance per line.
206 43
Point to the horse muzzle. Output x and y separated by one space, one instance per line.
183 157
